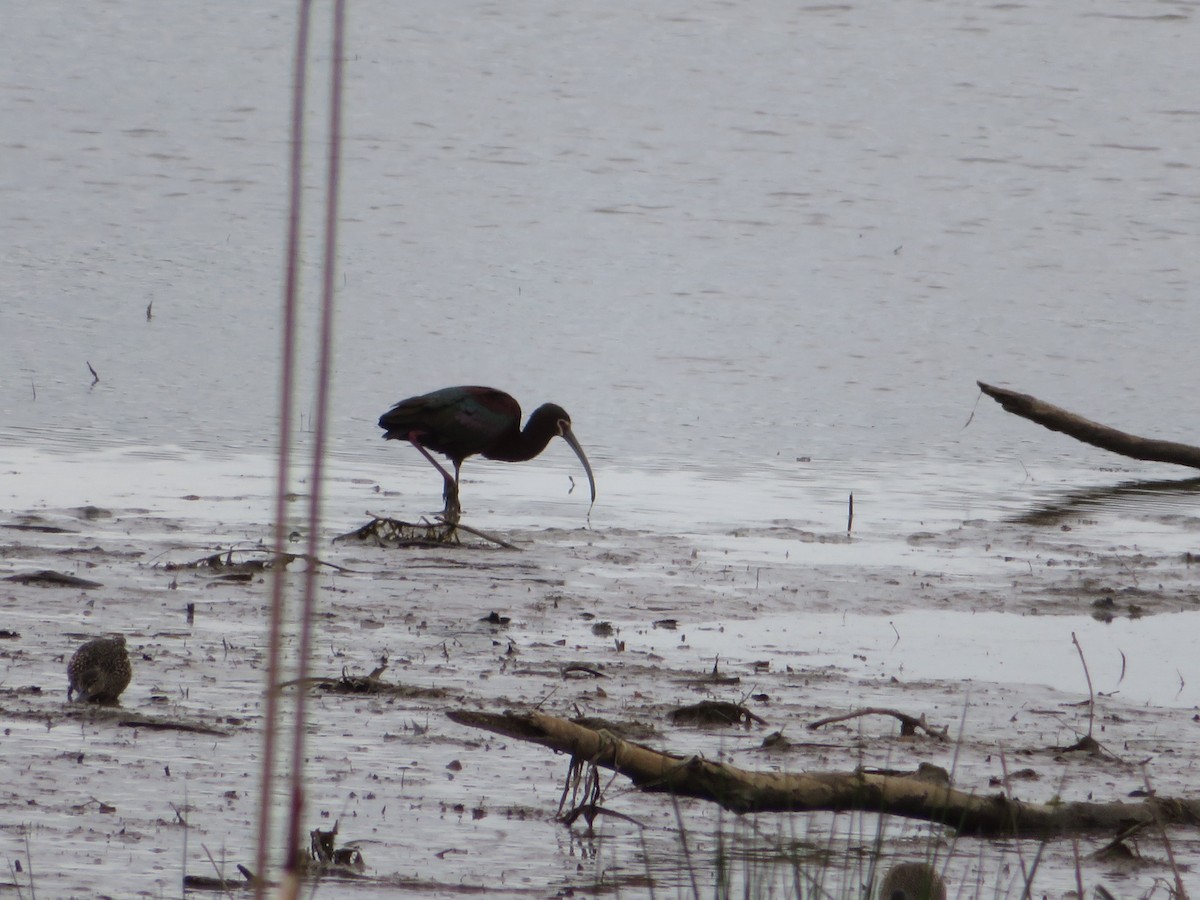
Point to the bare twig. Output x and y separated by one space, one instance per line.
1091 693
569 668
908 724
1180 891
29 860
220 875
487 537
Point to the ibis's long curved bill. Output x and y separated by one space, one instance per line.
569 437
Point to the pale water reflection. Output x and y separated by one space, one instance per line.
1143 661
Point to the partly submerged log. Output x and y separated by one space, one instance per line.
925 794
1058 419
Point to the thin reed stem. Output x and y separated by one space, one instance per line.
316 477
291 291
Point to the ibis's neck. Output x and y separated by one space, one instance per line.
518 446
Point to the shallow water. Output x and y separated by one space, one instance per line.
761 253
720 237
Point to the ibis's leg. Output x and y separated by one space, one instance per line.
450 484
453 510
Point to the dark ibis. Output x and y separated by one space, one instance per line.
464 421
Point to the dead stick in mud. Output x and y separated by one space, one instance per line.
1057 419
742 791
908 724
1087 675
487 537
1179 892
224 559
317 561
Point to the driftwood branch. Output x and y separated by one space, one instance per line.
1057 419
908 724
385 531
914 796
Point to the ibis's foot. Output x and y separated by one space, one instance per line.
452 511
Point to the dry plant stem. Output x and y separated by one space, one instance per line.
910 796
1057 419
646 862
293 843
687 853
186 828
1180 892
1091 693
220 874
286 403
1008 793
1123 835
29 861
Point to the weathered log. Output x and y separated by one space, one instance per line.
1058 419
915 796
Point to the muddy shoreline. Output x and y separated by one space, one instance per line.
98 797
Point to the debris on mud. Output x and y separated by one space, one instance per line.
357 684
325 858
371 683
630 730
40 529
50 578
715 712
383 531
212 883
243 563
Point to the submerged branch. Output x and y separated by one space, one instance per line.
1057 419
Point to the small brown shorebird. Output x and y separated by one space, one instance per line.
912 881
99 670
